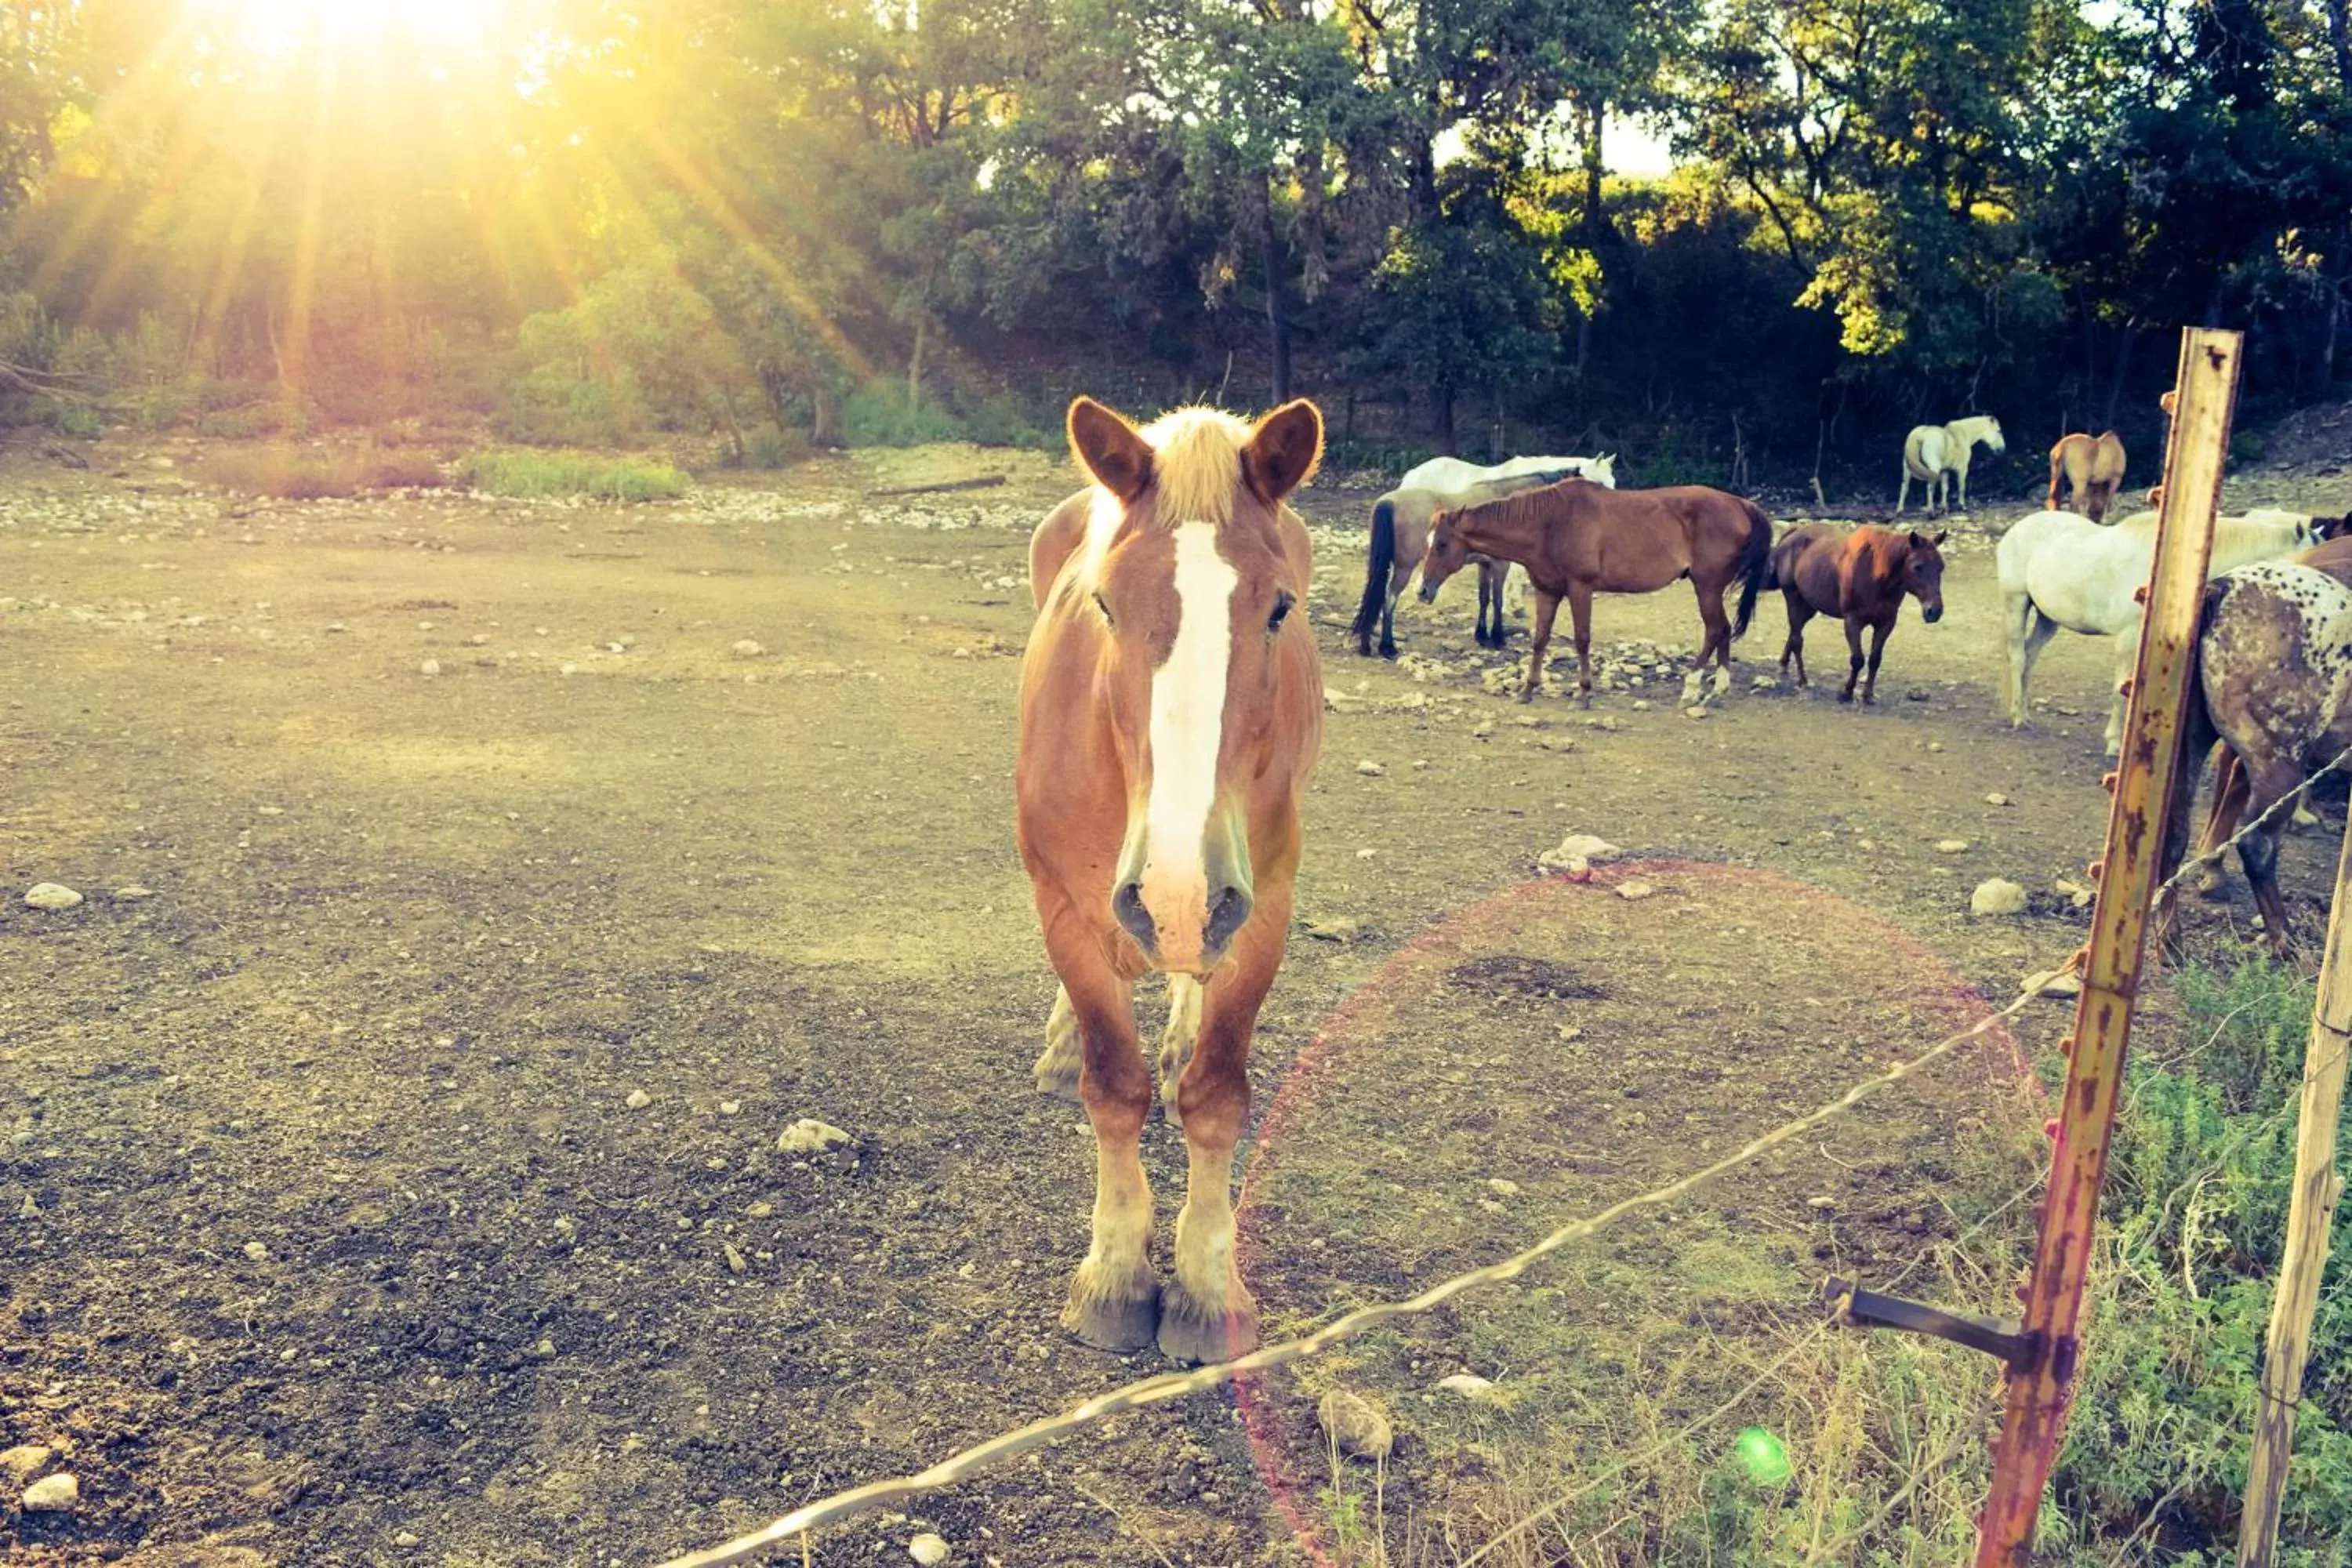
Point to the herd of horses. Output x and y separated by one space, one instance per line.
1172 706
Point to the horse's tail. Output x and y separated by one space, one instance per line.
1376 574
1755 565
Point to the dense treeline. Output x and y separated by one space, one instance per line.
810 220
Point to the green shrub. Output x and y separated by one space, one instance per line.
2193 1222
1004 421
766 446
877 414
541 474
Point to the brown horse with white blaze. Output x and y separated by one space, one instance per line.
1576 538
1171 708
1859 576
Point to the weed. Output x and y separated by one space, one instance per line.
543 474
306 473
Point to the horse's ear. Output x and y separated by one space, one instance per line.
1918 540
1109 449
1284 450
1941 535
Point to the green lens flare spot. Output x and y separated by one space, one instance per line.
1762 1456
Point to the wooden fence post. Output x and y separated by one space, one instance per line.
2041 1380
2310 1213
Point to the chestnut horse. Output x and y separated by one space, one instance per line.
1401 521
1860 575
1171 707
1576 538
2092 467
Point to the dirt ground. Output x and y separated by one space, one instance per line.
421 835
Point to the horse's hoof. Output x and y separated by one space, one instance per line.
1387 650
1526 694
1845 695
1112 1322
1060 1086
1196 1335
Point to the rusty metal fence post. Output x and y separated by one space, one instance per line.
2042 1378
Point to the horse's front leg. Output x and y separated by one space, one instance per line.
2125 666
1540 640
1878 631
1113 1302
1579 620
1854 659
1207 1313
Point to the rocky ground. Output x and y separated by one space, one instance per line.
397 1138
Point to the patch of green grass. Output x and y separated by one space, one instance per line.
542 474
311 473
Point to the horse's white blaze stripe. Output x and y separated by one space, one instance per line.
1188 722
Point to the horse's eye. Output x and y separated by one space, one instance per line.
1105 608
1281 608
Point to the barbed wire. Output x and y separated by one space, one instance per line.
2199 861
1167 1387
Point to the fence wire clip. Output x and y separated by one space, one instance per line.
1850 1306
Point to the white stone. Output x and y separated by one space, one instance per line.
53 1494
808 1135
1635 889
1369 769
639 1099
1468 1384
747 648
430 667
2059 983
51 895
1575 855
1952 846
257 1250
1997 895
1503 1185
928 1549
1354 1427
1996 798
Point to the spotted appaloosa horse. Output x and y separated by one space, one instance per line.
1171 708
2273 678
1860 575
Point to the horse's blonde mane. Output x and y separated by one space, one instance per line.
1196 462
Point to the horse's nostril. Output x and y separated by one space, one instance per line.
1126 908
1227 913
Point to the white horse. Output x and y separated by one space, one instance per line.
2059 570
1932 451
1447 475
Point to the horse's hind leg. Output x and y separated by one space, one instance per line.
1057 1069
2040 629
2221 819
1206 1313
1800 613
1176 1041
1715 643
1878 633
2258 851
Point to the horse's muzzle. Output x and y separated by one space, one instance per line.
1931 614
1229 910
1428 592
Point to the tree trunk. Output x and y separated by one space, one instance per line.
2339 37
1442 414
826 426
1277 319
915 365
1596 216
2123 366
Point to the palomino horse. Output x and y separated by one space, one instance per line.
1932 451
1171 707
2092 467
1576 538
1861 576
1400 520
2272 679
2059 570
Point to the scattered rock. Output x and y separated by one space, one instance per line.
407 1540
1997 895
1337 929
53 1494
2077 894
257 1251
639 1099
729 1107
1824 1203
1640 705
1694 711
25 1461
1371 770
134 892
1952 846
430 667
51 895
1996 798
1354 1427
1762 683
928 1549
747 648
1503 1186
1635 889
1916 694
735 1263
2059 983
1935 745
809 1136
1575 854
1468 1384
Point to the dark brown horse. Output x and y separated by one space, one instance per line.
1172 706
1577 539
1861 576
